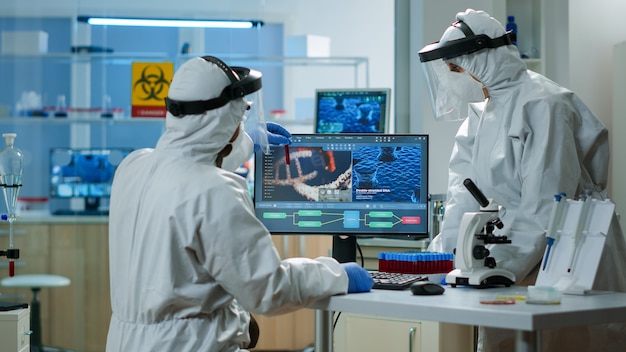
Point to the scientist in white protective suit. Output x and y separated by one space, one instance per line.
524 139
189 259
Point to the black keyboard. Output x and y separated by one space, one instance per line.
395 281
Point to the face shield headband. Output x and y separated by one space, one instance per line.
452 90
471 43
244 81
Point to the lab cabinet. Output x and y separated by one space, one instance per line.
75 317
14 330
356 333
292 331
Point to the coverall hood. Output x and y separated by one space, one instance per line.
201 136
531 139
495 68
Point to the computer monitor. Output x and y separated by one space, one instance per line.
352 110
345 184
84 173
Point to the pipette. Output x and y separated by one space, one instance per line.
555 221
579 228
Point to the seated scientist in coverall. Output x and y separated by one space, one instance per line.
189 259
524 139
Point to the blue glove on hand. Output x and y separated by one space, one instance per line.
276 135
359 280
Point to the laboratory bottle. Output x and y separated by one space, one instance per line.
512 26
61 108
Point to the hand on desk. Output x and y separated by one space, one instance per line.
359 279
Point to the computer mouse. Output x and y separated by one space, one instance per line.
426 288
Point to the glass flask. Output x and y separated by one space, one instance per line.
11 167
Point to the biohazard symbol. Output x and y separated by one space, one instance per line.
152 84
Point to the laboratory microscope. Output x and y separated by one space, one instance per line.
474 266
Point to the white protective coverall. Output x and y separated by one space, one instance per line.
189 259
531 139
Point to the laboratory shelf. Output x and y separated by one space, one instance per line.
56 120
122 58
359 64
286 60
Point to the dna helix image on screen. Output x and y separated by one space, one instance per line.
363 110
357 184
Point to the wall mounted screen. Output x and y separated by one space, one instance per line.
352 110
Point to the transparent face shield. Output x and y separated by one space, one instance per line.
450 91
451 88
254 121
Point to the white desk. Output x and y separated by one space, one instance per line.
461 306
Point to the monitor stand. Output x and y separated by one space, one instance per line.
344 248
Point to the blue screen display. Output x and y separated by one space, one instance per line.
352 110
82 173
365 184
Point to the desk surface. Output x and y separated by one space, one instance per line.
461 305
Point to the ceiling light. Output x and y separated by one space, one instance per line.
162 22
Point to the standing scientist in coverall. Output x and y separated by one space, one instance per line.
524 139
189 259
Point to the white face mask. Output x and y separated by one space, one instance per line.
451 92
243 147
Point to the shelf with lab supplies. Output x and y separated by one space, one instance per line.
359 65
282 61
72 85
125 119
109 58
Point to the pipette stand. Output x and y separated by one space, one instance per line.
573 261
11 166
474 266
11 253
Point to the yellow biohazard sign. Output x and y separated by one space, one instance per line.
150 84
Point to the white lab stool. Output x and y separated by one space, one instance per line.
35 282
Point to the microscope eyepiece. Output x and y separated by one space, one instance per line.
478 195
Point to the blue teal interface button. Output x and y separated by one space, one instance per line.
351 219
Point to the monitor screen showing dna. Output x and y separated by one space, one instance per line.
345 184
364 110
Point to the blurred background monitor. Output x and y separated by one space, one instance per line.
363 110
85 174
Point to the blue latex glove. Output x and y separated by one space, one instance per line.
359 280
276 135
